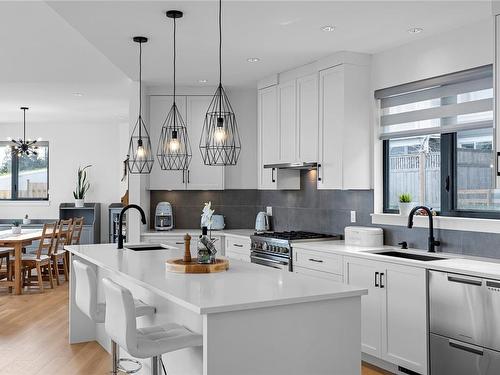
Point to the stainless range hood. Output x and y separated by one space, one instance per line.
299 165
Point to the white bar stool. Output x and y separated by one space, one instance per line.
150 342
86 300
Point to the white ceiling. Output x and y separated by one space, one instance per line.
284 34
43 61
52 50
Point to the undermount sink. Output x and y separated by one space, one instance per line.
397 254
147 247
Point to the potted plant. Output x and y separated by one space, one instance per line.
16 227
82 186
26 220
405 204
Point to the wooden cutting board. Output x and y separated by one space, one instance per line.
179 266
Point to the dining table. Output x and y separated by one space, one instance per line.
18 242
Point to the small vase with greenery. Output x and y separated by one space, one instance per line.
405 204
16 227
82 186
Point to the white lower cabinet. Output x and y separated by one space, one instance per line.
394 324
319 264
237 248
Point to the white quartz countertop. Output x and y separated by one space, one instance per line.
456 263
243 286
246 233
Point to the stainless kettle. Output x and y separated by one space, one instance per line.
262 222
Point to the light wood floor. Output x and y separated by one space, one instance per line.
34 338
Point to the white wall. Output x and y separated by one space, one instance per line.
72 146
456 50
459 49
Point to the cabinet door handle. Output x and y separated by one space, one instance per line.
272 175
188 176
179 243
183 179
315 260
319 172
376 280
237 245
382 280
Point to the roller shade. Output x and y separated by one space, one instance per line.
444 104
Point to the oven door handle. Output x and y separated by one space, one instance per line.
268 260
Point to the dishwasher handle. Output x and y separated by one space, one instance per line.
466 347
465 280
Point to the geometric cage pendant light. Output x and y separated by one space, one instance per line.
140 155
220 142
174 149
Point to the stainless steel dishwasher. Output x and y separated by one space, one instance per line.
464 324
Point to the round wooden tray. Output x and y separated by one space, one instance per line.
179 266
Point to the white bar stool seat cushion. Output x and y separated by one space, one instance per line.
121 326
157 340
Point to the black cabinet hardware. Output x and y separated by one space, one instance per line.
382 280
376 280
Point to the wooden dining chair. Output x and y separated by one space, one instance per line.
40 261
63 235
76 231
5 254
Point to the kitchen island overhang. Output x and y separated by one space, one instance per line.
254 319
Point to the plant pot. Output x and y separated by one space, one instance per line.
405 208
26 221
79 203
16 230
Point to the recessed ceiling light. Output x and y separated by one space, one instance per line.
253 59
202 80
415 30
77 94
328 28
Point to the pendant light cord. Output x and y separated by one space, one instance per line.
175 57
140 90
24 125
220 58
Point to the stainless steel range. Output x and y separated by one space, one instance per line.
274 249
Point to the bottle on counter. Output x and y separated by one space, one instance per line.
206 248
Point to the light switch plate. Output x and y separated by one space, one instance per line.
353 216
269 210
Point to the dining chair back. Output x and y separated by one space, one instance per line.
63 235
46 244
76 231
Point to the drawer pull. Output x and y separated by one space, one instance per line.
179 243
376 280
237 245
315 260
382 280
465 347
460 280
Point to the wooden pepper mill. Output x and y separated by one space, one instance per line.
187 248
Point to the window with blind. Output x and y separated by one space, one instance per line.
438 139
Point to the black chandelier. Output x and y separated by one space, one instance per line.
220 141
23 145
140 155
174 150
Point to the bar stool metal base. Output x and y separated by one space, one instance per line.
117 361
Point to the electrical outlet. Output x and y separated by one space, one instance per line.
269 210
353 216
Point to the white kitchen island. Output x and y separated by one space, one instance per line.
254 320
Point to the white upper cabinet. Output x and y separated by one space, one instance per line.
307 118
287 122
199 176
344 128
159 106
268 140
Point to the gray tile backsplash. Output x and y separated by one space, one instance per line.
325 211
